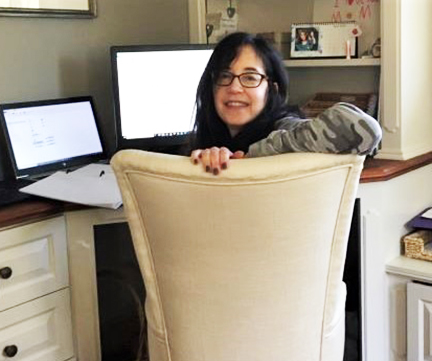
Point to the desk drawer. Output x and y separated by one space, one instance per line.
39 330
33 261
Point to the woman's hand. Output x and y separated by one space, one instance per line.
215 159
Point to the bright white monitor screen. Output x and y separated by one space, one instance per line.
156 90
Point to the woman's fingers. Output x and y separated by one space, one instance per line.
238 155
214 159
196 155
225 155
205 159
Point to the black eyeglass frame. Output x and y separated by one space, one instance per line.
233 76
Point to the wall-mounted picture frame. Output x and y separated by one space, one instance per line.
49 8
324 40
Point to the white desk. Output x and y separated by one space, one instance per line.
386 204
82 270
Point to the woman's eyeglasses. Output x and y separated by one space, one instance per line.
247 80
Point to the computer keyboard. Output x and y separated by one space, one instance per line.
10 194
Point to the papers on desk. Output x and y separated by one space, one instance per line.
93 185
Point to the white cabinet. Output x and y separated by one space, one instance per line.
35 313
36 257
39 330
410 305
419 319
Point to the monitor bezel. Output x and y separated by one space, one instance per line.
57 165
163 144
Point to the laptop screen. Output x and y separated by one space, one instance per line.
50 135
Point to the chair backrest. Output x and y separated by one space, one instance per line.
246 265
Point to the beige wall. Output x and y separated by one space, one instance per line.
42 58
254 16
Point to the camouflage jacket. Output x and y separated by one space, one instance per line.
343 128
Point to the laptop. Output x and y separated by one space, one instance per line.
45 136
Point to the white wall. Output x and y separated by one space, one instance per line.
44 58
416 77
406 77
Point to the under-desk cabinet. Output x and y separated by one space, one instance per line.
35 313
419 316
410 305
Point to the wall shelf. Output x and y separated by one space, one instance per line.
304 63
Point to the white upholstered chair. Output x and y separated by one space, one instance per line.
246 265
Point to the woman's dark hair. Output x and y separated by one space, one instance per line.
209 129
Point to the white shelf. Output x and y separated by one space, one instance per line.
299 63
412 268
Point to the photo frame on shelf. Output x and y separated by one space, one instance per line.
53 8
324 40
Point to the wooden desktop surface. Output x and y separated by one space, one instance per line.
375 170
34 210
379 170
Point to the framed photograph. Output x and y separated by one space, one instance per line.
324 40
48 8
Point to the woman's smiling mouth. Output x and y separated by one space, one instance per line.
236 103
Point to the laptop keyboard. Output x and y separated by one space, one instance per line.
10 194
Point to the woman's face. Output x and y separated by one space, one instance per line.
235 104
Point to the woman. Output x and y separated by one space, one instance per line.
242 111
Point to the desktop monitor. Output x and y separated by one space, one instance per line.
154 89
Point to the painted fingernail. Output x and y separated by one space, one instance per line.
224 166
195 161
207 168
215 171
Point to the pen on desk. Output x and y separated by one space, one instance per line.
101 173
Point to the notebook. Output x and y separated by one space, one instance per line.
46 136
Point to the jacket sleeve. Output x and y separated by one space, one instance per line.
342 128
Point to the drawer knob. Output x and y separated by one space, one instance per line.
5 272
10 351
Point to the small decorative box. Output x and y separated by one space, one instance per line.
418 245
